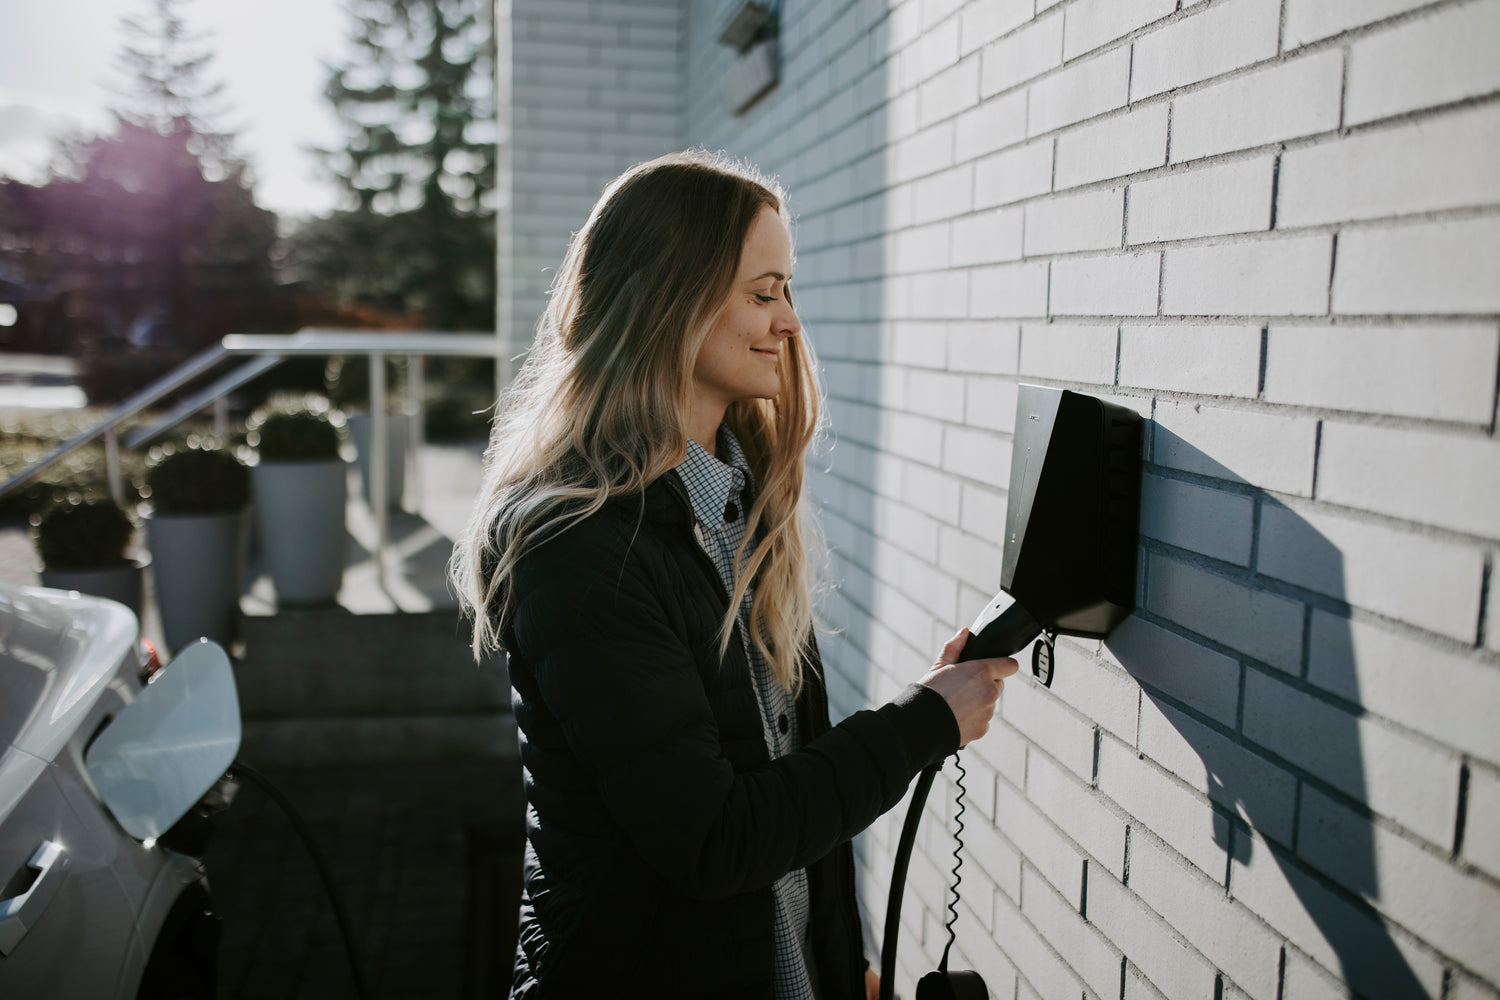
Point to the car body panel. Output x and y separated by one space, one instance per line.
68 666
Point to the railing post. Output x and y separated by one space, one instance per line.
379 463
417 432
112 466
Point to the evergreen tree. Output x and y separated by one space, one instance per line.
153 229
417 99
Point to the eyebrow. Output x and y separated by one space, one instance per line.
768 274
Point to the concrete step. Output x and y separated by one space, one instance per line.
327 688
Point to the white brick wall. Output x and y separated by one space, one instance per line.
1272 227
596 85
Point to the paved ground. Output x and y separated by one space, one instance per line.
427 857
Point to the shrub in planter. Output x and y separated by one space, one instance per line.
84 546
197 536
300 496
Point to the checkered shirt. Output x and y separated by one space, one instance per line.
720 494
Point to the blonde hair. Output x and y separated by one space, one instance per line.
599 409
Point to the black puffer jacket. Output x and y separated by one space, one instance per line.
657 822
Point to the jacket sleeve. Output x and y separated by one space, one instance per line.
626 690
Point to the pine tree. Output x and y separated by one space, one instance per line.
166 87
417 98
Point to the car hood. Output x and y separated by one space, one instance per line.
58 652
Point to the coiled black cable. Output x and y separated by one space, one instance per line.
958 859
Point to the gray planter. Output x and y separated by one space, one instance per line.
299 517
398 431
198 561
121 583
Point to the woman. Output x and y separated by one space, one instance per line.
638 551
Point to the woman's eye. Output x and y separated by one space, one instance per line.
765 298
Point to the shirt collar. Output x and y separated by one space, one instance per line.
709 481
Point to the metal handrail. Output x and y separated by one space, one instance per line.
270 350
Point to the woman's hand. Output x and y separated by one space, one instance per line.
872 984
971 688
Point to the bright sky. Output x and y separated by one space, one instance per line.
57 67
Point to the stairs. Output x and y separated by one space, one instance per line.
328 688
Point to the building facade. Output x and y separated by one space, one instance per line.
1271 227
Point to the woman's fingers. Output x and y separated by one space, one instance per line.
952 649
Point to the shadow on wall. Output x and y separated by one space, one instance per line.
1286 771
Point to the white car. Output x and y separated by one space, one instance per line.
102 896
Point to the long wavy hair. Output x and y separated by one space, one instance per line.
600 407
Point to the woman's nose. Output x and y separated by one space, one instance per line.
787 324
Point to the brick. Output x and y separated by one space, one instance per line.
1427 371
1451 698
1282 101
1099 691
1112 147
994 854
1005 750
944 195
1446 56
1209 360
1022 56
1071 353
921 154
1009 176
1323 923
1265 278
935 394
988 237
1008 290
1225 932
982 23
984 348
1079 811
1208 521
1395 776
1371 566
1117 285
1311 20
1213 201
1492 621
990 404
1171 811
1052 728
975 454
1421 891
953 90
1210 43
922 249
1034 958
1255 622
1172 966
1089 221
1266 450
1079 91
1039 843
1085 950
997 123
1481 847
1137 986
1439 162
1229 773
1088 24
1435 267
1394 471
1195 675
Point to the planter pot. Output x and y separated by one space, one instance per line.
398 431
299 518
197 562
121 583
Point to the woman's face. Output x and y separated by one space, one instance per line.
739 358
